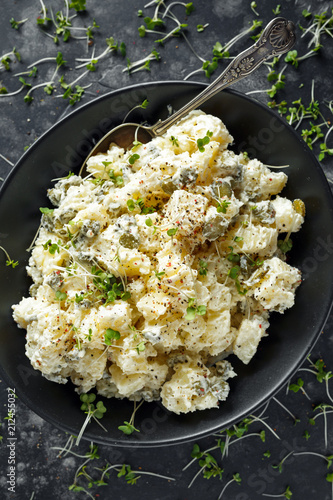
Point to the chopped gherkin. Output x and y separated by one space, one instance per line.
221 188
168 186
215 227
299 207
127 240
181 179
264 211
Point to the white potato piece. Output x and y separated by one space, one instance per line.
248 337
194 387
275 289
286 217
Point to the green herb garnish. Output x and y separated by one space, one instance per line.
203 267
111 335
204 141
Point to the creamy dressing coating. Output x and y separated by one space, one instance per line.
148 271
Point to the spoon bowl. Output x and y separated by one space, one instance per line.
123 135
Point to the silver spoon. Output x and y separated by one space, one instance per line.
277 38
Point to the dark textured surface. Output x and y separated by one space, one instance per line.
291 334
38 470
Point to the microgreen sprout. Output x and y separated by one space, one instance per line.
208 464
321 25
89 335
125 471
285 245
157 22
293 57
81 471
193 309
329 477
286 494
128 427
78 5
111 335
118 180
142 64
323 412
259 419
203 267
235 478
16 24
317 369
60 296
44 19
58 59
139 205
143 105
132 159
233 273
91 66
110 287
222 206
52 247
231 435
174 141
90 30
159 275
9 262
128 474
279 83
48 86
298 386
5 59
296 420
4 92
220 52
295 113
93 411
298 112
62 24
324 149
112 46
201 143
141 347
329 458
72 95
172 231
131 205
189 7
201 27
279 466
253 6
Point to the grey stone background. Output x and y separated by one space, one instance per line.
40 474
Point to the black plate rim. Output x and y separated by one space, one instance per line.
146 444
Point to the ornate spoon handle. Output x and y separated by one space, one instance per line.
277 38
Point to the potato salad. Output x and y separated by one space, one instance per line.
165 260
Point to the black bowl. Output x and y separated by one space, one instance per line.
255 129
